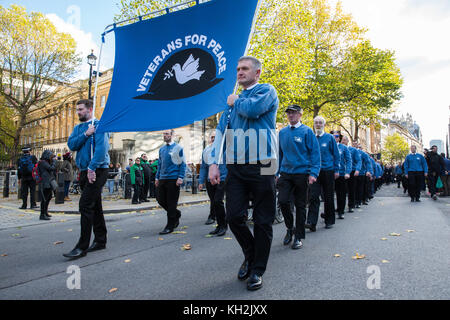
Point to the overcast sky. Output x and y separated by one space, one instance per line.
417 30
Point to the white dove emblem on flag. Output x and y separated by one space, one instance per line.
188 72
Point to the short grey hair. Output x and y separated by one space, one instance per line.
257 65
320 118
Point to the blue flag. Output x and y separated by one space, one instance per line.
178 68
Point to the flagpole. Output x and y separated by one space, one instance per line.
95 92
247 47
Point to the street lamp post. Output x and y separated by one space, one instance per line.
91 62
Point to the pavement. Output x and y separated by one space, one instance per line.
402 248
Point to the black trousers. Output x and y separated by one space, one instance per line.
341 193
360 185
243 179
324 182
145 188
296 184
366 190
217 208
432 179
399 180
415 182
137 194
24 186
351 188
91 209
167 196
46 196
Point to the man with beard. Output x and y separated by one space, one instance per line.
93 161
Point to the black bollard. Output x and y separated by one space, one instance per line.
6 186
59 197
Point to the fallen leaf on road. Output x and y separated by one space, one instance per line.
384 261
383 238
69 230
160 239
118 230
179 232
16 235
29 211
410 230
186 246
62 220
139 221
4 255
58 242
395 234
358 256
208 236
337 255
227 238
132 212
185 227
112 290
127 261
136 238
21 215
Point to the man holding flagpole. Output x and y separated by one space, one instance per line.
93 161
249 125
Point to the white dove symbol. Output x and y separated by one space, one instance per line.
188 72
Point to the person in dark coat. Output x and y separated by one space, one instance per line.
137 180
47 171
67 170
25 166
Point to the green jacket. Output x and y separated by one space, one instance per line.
137 174
154 166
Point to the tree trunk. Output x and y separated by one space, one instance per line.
316 110
356 135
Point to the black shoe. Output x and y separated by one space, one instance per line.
145 200
166 231
44 217
75 253
365 203
216 230
358 206
412 200
96 246
134 202
322 215
350 210
328 226
434 197
341 216
176 224
210 221
312 228
23 207
221 232
244 271
48 215
288 237
34 207
297 244
254 282
418 200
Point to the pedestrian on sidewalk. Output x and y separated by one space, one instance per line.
25 166
254 109
435 164
137 180
398 171
169 178
216 192
329 172
112 173
93 175
67 170
416 169
445 177
345 169
118 177
145 164
48 184
299 159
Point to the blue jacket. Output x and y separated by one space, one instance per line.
82 144
345 164
206 162
329 153
299 151
356 159
366 163
398 170
254 113
378 171
415 162
447 165
171 163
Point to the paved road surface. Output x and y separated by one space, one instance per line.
32 265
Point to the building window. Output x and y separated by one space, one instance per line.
102 101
